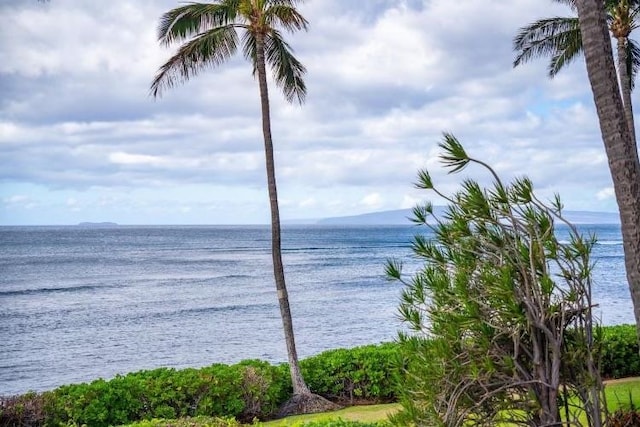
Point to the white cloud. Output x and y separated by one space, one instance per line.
409 202
605 193
372 201
385 79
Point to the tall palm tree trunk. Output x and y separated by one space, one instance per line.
622 154
625 85
299 386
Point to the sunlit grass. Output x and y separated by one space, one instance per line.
365 413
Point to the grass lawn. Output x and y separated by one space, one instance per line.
353 413
619 392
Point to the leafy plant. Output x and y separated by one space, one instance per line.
506 305
620 354
350 375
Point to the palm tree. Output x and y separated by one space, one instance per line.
621 151
561 38
210 35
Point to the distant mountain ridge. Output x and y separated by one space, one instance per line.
98 224
401 217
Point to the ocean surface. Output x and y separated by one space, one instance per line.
81 303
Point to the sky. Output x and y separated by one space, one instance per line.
81 139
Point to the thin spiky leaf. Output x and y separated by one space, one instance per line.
421 213
424 180
453 156
209 49
393 269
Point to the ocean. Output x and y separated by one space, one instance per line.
79 303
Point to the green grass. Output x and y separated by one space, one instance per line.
619 394
367 413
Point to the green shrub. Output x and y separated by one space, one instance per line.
620 352
243 391
349 375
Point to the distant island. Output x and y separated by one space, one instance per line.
98 224
401 217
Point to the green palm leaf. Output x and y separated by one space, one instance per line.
557 37
185 22
286 17
288 71
207 50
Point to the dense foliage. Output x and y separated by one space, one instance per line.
353 375
249 389
620 352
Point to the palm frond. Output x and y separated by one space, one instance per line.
633 61
288 72
557 37
286 17
187 21
249 49
571 42
289 3
208 49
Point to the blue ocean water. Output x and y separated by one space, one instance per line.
81 303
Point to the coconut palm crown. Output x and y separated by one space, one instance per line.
210 35
561 39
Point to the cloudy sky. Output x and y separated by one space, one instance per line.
82 140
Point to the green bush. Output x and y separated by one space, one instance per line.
350 375
244 391
620 352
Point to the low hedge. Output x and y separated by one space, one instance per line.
243 391
247 390
353 375
620 356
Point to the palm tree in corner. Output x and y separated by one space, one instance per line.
621 150
210 36
561 38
